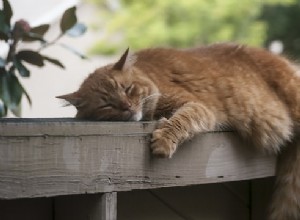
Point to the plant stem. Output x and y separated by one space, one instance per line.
12 50
50 43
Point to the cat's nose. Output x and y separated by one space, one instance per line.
125 106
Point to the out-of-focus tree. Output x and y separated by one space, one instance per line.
183 23
283 25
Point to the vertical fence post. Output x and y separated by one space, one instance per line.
109 206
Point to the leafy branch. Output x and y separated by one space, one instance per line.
12 65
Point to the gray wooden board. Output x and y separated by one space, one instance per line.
109 206
53 157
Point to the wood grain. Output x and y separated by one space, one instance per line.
53 157
109 206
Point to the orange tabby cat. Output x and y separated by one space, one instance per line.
196 90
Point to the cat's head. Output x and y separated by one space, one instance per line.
114 92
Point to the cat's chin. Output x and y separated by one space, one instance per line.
137 116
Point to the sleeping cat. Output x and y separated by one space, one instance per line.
197 90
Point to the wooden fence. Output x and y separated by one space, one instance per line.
58 157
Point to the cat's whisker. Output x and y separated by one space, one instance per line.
149 97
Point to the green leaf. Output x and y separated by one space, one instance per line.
15 90
29 37
2 62
3 36
54 61
40 30
3 109
36 33
31 57
2 71
21 68
17 110
11 91
4 27
7 12
77 30
4 89
68 20
82 56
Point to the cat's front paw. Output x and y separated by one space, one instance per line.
161 145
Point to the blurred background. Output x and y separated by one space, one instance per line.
113 25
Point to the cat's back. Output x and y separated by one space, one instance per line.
219 58
219 51
194 61
239 65
223 60
165 54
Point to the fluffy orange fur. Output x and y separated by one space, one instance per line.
197 90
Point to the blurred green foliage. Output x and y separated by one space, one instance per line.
283 22
13 65
186 23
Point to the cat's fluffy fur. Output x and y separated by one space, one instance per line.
196 90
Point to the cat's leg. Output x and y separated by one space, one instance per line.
191 118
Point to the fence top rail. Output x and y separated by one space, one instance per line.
63 156
71 127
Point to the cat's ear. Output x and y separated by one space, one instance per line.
72 98
125 62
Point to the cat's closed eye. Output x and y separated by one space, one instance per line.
129 89
106 106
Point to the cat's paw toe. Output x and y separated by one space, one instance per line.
162 146
162 122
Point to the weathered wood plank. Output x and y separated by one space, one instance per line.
62 157
71 127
